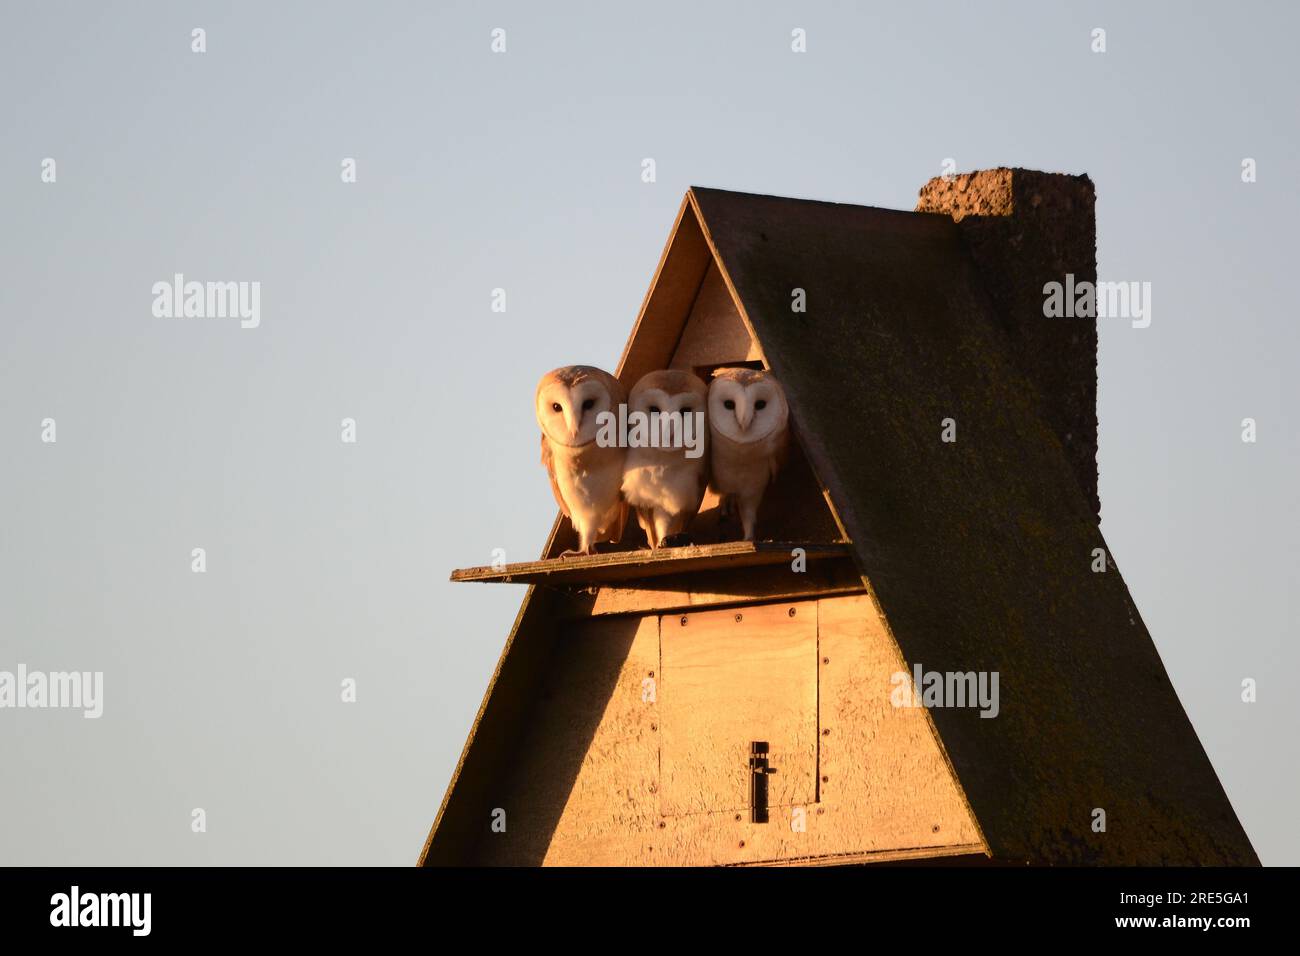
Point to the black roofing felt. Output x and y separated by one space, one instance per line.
979 551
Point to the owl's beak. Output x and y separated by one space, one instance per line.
744 415
573 418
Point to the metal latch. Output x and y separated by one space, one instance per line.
758 771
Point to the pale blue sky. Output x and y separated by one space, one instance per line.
522 171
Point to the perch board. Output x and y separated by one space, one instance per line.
644 563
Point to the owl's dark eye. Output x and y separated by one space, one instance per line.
654 409
589 404
729 405
760 405
555 407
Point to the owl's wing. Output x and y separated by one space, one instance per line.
779 456
549 461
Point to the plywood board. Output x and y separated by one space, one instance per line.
711 588
715 334
885 790
587 787
641 563
885 781
669 300
731 677
582 789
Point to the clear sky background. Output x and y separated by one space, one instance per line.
521 170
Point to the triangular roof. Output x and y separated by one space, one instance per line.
978 552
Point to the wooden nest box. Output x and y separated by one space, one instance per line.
736 703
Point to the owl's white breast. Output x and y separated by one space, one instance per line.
743 468
589 477
663 478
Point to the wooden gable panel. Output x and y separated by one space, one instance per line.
584 774
731 677
635 754
668 302
715 334
886 783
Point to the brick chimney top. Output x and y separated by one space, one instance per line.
1025 229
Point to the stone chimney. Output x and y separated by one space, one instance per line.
1025 229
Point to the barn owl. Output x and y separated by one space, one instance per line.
749 431
585 474
666 484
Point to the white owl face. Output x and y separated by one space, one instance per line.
567 408
747 405
667 394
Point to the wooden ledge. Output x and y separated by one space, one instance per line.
644 563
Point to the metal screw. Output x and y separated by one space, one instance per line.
737 816
654 726
935 828
792 612
738 617
652 673
742 844
826 732
683 620
826 779
825 660
662 824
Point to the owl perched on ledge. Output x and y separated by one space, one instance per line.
666 485
585 476
749 432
